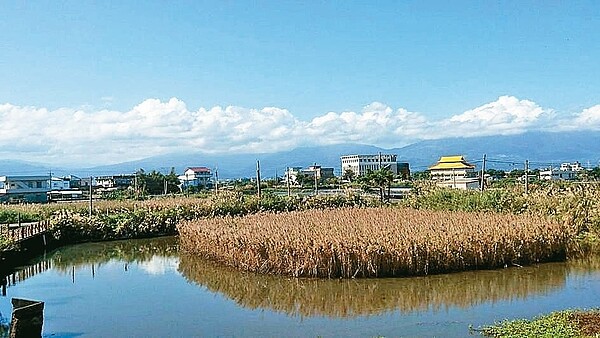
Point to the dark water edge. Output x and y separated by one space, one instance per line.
148 288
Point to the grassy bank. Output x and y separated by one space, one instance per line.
571 202
570 323
71 222
375 242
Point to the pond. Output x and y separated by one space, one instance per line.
148 288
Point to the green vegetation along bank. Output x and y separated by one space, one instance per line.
564 324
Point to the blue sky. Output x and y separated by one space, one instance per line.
434 60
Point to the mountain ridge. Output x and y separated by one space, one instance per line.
503 152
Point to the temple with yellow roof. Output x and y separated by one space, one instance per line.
454 172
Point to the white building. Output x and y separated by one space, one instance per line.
58 183
362 164
314 170
566 171
196 177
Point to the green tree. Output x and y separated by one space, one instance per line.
349 175
382 179
594 173
154 183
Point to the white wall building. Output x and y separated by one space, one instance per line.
362 164
196 177
566 171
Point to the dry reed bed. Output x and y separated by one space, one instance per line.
375 242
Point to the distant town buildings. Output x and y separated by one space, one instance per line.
454 172
566 171
448 171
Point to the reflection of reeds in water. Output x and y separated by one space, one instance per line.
358 297
374 242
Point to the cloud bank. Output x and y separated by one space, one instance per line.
90 137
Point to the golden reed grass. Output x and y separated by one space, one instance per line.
375 242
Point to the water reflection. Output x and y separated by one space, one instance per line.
358 297
138 251
312 297
147 252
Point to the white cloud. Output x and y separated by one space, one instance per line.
588 119
507 115
153 127
158 265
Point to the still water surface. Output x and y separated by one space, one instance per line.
147 288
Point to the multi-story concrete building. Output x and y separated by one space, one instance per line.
362 164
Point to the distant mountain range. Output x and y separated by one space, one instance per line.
503 152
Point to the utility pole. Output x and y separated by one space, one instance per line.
216 180
50 180
258 178
316 183
91 192
527 176
135 187
287 176
483 174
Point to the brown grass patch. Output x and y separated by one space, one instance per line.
374 242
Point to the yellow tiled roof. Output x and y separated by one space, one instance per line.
452 162
447 159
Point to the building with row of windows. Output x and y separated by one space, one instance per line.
362 164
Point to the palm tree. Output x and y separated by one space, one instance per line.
381 178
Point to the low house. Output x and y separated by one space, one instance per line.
454 172
291 174
199 177
115 181
15 189
317 171
320 172
64 189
